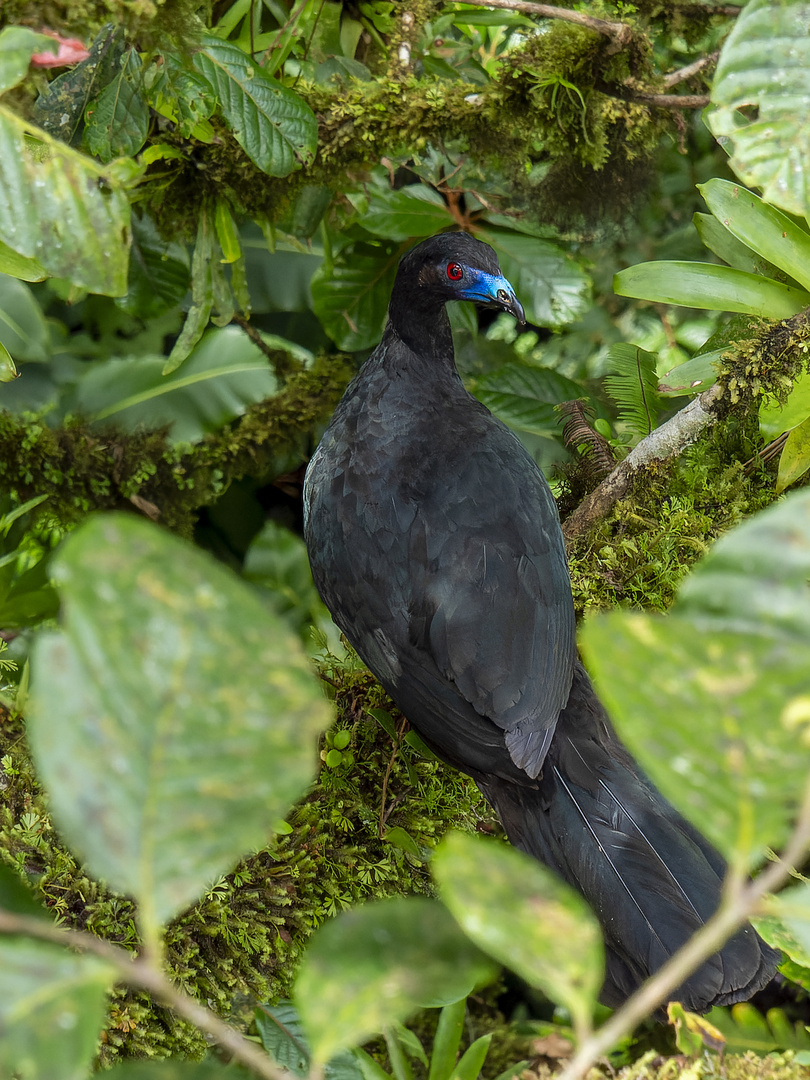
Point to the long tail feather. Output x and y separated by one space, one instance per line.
650 877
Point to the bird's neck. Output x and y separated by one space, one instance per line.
425 331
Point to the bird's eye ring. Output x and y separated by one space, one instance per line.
454 272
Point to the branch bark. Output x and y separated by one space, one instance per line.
665 442
147 976
619 32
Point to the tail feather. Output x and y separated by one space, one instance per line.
650 877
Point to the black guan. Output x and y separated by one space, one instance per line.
435 542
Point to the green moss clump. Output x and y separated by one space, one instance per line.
241 941
767 364
84 468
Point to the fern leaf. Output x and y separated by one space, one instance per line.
632 382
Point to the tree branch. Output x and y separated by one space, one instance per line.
141 973
674 77
737 906
666 441
670 101
617 31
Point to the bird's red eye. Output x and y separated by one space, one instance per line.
454 272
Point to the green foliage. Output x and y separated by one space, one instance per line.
760 101
733 656
633 384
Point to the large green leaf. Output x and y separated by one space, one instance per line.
118 121
17 45
62 208
274 126
525 397
415 210
760 227
715 698
693 377
23 329
525 917
761 99
374 965
173 719
223 375
350 296
550 283
173 1069
714 288
52 1009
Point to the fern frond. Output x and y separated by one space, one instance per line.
577 433
632 382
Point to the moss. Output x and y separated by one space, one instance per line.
639 555
84 468
767 364
240 943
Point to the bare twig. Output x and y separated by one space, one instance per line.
141 973
687 72
618 31
736 908
671 101
665 442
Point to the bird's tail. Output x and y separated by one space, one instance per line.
650 877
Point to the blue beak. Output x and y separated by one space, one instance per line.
491 291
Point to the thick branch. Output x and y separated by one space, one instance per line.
618 31
737 907
671 101
665 442
141 973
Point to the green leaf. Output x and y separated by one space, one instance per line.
374 965
713 288
350 297
403 840
17 45
721 725
227 234
693 377
775 418
522 914
161 774
794 460
16 897
277 561
761 99
525 397
728 248
8 370
59 109
223 375
633 384
18 266
52 1009
777 933
550 283
202 294
182 95
447 1040
23 328
760 227
473 1058
172 1069
158 276
62 208
116 124
745 1028
412 211
273 125
283 1038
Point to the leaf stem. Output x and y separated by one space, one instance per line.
140 972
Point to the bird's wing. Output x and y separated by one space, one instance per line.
490 597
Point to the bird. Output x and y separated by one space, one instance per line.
435 542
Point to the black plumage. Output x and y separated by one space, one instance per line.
434 541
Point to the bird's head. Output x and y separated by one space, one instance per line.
455 266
